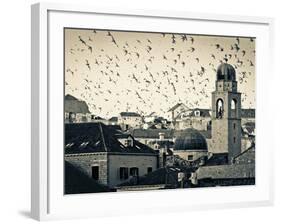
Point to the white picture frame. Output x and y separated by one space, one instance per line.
47 200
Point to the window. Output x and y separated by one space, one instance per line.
234 126
234 139
233 104
123 173
234 111
72 117
149 169
134 171
219 108
197 113
190 157
95 172
129 142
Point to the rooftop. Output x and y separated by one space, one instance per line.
151 133
168 133
97 137
248 113
226 171
176 106
129 114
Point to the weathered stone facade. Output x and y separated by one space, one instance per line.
109 165
85 162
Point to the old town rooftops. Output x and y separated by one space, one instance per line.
129 114
168 133
97 137
226 171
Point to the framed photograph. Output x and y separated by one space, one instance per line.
150 111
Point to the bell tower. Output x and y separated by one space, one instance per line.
226 113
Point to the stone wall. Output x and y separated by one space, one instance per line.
196 154
84 163
142 162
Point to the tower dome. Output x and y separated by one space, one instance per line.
226 72
190 139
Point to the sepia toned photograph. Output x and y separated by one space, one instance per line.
155 111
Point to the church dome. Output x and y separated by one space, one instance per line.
226 72
190 139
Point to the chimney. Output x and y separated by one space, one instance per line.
161 136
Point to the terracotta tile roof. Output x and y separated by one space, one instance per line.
168 133
97 137
151 133
245 157
114 119
226 171
248 113
129 114
176 106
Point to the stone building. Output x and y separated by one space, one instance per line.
146 135
98 119
113 121
224 175
94 149
175 111
196 118
241 171
128 120
75 111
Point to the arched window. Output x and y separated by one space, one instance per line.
233 104
234 108
219 108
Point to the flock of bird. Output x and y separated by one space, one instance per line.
150 72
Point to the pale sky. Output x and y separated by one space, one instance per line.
151 72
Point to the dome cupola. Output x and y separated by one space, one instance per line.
226 72
190 139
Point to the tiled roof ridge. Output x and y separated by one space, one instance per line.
240 154
102 136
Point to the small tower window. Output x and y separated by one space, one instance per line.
233 104
234 139
233 108
219 109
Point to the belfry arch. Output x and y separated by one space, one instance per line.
219 108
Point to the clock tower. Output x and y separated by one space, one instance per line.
226 113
